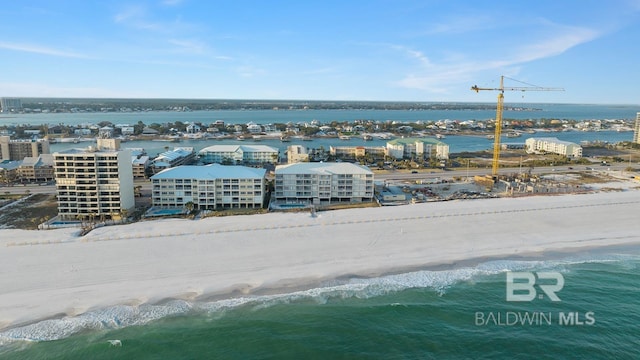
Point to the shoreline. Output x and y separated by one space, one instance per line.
206 260
320 284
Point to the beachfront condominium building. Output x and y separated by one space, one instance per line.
20 149
553 145
96 182
323 183
636 130
420 148
210 187
239 154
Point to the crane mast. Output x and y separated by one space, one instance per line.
498 130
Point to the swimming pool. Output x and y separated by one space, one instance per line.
165 212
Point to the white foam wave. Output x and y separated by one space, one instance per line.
362 288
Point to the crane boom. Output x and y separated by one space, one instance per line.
498 131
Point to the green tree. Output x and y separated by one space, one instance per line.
189 206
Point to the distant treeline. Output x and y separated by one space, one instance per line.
119 105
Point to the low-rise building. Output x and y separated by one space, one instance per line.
323 183
353 152
239 154
9 171
139 165
172 158
296 154
553 145
37 168
211 187
420 148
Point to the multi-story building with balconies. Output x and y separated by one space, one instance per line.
239 154
94 183
323 183
20 149
422 148
553 145
210 187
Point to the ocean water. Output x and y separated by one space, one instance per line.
432 314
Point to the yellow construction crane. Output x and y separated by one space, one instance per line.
498 131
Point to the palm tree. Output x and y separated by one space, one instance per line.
189 206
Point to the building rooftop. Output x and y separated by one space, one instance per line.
42 160
174 154
553 140
235 148
89 150
209 172
10 165
323 168
135 160
411 141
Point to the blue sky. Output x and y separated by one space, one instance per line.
386 50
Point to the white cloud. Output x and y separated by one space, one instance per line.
38 49
462 24
555 45
437 77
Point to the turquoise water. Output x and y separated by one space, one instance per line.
417 315
162 212
65 223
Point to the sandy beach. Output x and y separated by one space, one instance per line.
54 273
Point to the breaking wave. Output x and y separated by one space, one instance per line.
121 316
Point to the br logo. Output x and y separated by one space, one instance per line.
520 285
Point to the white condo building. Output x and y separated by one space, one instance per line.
553 145
209 187
422 148
323 183
239 154
96 182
